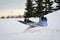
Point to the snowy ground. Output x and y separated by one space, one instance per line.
11 29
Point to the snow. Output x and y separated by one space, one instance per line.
11 29
54 5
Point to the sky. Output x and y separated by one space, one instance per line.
12 7
12 4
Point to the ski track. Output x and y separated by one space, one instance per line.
41 30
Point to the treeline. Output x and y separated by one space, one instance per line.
40 7
19 16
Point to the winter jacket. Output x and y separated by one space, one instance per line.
43 22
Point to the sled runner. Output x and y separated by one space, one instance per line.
26 22
31 23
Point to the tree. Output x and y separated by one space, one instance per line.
8 17
39 7
29 9
47 6
2 17
43 7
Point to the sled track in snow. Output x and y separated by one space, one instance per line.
40 30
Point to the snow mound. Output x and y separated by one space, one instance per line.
11 29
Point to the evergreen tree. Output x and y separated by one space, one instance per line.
29 9
33 11
39 7
47 7
43 7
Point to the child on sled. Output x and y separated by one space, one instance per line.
42 21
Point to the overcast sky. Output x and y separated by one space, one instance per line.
12 7
12 4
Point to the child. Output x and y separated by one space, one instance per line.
42 21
